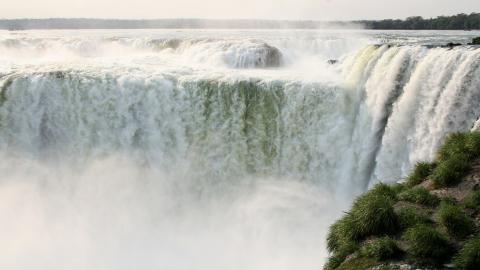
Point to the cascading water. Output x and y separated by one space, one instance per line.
174 152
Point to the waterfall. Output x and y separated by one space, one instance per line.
209 153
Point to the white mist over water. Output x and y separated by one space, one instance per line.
211 149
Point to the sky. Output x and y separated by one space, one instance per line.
235 9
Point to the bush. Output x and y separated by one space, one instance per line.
451 171
468 258
457 223
473 201
381 249
426 245
421 171
419 195
409 217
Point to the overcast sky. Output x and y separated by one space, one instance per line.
225 9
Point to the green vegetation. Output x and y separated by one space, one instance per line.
455 158
457 223
340 255
468 258
357 264
410 223
381 249
451 171
476 41
427 245
419 195
421 171
409 217
456 22
473 201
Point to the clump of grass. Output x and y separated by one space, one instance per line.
361 263
468 258
473 201
455 158
419 195
421 171
339 256
457 223
451 171
398 188
381 249
455 144
382 189
373 213
427 245
342 233
409 217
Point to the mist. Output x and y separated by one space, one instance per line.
233 9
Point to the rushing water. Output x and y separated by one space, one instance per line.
212 149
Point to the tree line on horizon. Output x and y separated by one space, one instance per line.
455 22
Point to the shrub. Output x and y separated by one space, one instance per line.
419 195
381 249
373 214
473 201
426 245
457 223
468 258
451 171
421 171
409 217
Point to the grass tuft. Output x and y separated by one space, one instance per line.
373 214
419 195
381 249
468 258
339 256
457 223
473 201
421 171
451 171
342 233
409 217
426 245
